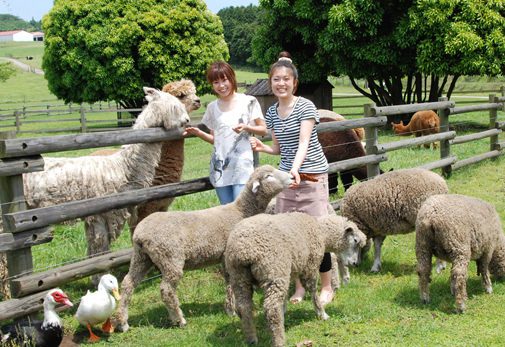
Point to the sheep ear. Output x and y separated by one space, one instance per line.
151 92
255 186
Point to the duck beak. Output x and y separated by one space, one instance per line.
115 293
68 303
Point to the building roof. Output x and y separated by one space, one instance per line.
9 32
37 33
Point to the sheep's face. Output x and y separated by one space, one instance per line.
185 91
354 240
267 181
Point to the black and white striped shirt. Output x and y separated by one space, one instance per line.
287 132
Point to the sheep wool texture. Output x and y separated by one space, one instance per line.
459 229
177 240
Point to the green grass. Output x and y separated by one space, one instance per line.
374 309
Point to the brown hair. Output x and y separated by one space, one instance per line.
284 60
221 70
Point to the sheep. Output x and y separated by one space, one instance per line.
459 229
175 241
342 145
422 123
269 250
169 168
69 179
388 204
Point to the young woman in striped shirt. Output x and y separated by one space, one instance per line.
292 120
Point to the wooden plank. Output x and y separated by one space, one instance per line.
16 308
392 146
16 166
472 137
439 163
475 159
351 124
38 145
36 282
11 242
356 162
401 109
40 217
474 108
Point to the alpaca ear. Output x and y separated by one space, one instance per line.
151 93
255 187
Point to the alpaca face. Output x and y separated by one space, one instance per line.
163 109
185 91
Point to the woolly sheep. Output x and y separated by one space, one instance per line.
388 204
181 240
269 250
459 229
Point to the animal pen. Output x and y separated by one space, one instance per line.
23 229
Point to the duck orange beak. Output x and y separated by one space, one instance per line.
115 293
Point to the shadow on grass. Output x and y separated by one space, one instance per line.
441 299
392 267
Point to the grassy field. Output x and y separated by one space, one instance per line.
374 309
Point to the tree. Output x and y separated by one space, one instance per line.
240 24
109 49
6 71
10 22
400 47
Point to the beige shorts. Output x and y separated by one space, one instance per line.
309 197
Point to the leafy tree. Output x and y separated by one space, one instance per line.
109 49
240 24
400 47
6 71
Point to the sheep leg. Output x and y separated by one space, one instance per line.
168 288
344 271
483 269
241 284
310 283
275 293
229 303
335 272
97 235
139 267
459 274
377 242
424 256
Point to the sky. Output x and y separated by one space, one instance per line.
28 9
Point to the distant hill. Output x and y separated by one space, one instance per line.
10 22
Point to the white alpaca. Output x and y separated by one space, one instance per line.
133 167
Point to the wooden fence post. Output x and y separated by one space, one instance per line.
12 199
445 147
372 141
493 115
83 120
18 121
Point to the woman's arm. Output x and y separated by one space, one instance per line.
259 128
199 133
259 146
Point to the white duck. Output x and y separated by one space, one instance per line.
97 307
46 333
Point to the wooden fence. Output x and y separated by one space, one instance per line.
24 228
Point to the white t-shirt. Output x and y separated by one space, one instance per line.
232 158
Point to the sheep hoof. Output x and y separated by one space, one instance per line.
489 290
252 340
182 323
375 269
121 327
461 308
324 316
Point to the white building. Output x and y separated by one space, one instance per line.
16 35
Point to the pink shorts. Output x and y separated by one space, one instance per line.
309 197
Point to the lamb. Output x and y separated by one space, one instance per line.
175 241
269 250
422 123
459 229
169 168
388 204
342 145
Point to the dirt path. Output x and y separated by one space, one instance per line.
23 66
